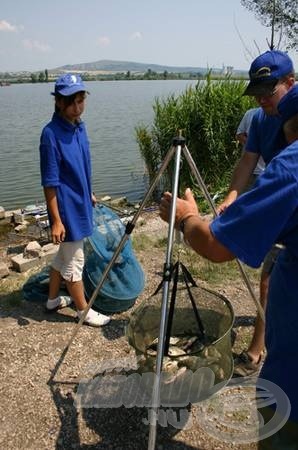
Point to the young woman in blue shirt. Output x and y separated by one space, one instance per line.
66 178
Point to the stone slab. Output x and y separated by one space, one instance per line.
22 264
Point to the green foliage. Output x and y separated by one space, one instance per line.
33 78
41 77
208 115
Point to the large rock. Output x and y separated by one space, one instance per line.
32 250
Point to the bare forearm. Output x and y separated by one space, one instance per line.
52 204
243 172
198 234
58 229
240 178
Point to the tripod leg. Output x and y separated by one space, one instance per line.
153 413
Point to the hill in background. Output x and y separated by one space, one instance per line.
106 65
110 66
119 70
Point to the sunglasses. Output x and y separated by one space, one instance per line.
272 93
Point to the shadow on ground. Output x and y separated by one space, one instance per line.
15 307
117 428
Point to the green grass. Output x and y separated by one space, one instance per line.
142 242
11 290
212 273
199 267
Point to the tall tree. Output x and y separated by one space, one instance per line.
41 77
281 16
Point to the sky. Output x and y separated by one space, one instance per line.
40 34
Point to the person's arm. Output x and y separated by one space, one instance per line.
58 230
240 178
196 231
198 235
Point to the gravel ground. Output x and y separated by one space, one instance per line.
39 414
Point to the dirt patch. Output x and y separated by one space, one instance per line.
38 415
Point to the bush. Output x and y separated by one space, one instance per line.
208 115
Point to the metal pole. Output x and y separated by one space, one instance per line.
153 414
202 185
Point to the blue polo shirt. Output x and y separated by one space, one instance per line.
65 165
248 228
265 135
264 215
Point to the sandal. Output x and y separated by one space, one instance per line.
244 365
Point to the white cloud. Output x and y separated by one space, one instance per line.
137 35
104 41
30 44
6 26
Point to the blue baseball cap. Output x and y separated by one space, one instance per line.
69 84
288 105
266 70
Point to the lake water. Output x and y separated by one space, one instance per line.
113 110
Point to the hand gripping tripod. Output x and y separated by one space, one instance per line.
178 147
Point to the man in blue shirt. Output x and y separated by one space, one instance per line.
271 77
247 230
242 135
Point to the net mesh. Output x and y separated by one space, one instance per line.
125 280
212 351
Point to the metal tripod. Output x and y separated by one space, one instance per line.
178 146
